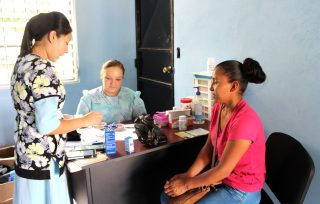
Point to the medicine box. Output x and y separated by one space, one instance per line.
110 141
173 116
129 145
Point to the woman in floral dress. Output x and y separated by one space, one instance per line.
38 96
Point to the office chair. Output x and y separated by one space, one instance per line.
290 169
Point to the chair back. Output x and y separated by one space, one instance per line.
290 168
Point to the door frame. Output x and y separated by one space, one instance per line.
170 50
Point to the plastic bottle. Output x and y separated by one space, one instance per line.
211 63
197 106
186 103
182 122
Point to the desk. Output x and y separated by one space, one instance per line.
138 177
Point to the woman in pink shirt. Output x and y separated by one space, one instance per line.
240 142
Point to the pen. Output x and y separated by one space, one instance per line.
97 143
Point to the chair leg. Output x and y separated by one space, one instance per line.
265 199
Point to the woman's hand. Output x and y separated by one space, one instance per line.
92 118
179 176
177 185
67 116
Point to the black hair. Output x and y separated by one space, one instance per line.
112 63
41 24
248 71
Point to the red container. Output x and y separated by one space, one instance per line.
186 103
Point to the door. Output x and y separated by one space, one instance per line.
154 62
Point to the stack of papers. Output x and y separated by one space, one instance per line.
81 154
92 135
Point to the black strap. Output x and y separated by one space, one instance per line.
215 139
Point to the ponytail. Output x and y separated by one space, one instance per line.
26 44
41 24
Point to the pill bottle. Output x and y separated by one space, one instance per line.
182 122
186 103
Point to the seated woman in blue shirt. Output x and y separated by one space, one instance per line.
117 103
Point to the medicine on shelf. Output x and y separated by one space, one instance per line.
203 81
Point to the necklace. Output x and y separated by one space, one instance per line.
224 118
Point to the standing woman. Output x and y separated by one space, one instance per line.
240 141
38 96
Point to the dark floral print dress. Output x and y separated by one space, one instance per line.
34 79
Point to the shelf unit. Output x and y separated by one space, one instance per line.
203 80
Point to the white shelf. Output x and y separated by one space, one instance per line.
203 80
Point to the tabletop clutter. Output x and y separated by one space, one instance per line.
146 128
190 112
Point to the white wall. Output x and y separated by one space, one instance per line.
106 30
284 36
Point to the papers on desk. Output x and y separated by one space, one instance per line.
92 139
128 130
94 135
192 133
91 135
79 154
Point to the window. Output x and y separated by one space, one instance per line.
14 15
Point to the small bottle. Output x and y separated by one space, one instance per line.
182 122
211 63
197 108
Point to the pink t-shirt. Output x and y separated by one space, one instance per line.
249 174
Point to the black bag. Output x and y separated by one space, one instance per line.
148 133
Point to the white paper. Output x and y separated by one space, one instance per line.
93 135
128 131
198 132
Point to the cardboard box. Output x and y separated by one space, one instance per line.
6 189
6 192
174 123
7 151
173 116
7 155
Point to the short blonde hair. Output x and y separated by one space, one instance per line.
111 63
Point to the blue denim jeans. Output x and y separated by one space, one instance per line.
225 195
